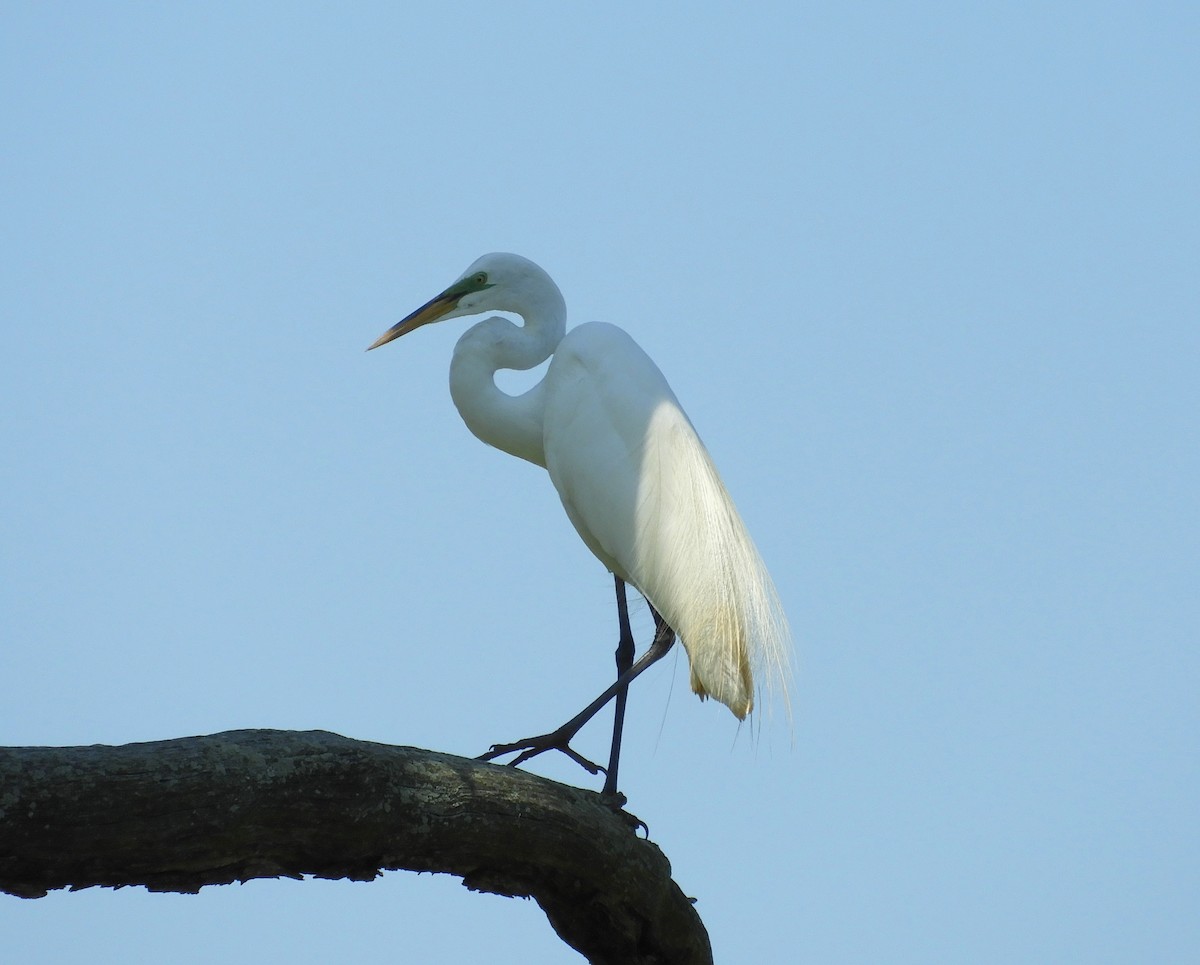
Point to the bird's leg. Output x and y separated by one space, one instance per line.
559 740
625 653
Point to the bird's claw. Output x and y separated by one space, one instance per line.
533 746
632 820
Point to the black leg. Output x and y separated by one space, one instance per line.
625 651
559 740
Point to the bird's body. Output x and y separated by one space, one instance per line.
645 497
634 477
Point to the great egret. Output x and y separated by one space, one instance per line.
633 476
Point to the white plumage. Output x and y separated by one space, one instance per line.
633 475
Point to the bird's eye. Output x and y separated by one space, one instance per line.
481 278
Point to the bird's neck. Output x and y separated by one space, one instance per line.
510 423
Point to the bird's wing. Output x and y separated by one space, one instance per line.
599 386
642 491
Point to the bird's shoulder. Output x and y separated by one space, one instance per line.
605 352
602 384
596 340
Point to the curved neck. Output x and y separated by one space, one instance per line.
510 423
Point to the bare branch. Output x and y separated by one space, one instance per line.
177 815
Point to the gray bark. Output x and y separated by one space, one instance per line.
180 814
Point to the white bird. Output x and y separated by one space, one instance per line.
633 476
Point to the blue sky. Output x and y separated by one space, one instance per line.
925 278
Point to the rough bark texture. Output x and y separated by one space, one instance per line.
180 814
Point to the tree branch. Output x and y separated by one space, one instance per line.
177 815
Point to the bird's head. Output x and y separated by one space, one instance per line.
495 282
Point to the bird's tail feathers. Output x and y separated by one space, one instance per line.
714 588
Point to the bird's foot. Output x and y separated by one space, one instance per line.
616 801
558 740
635 823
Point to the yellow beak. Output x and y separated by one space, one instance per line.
431 311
